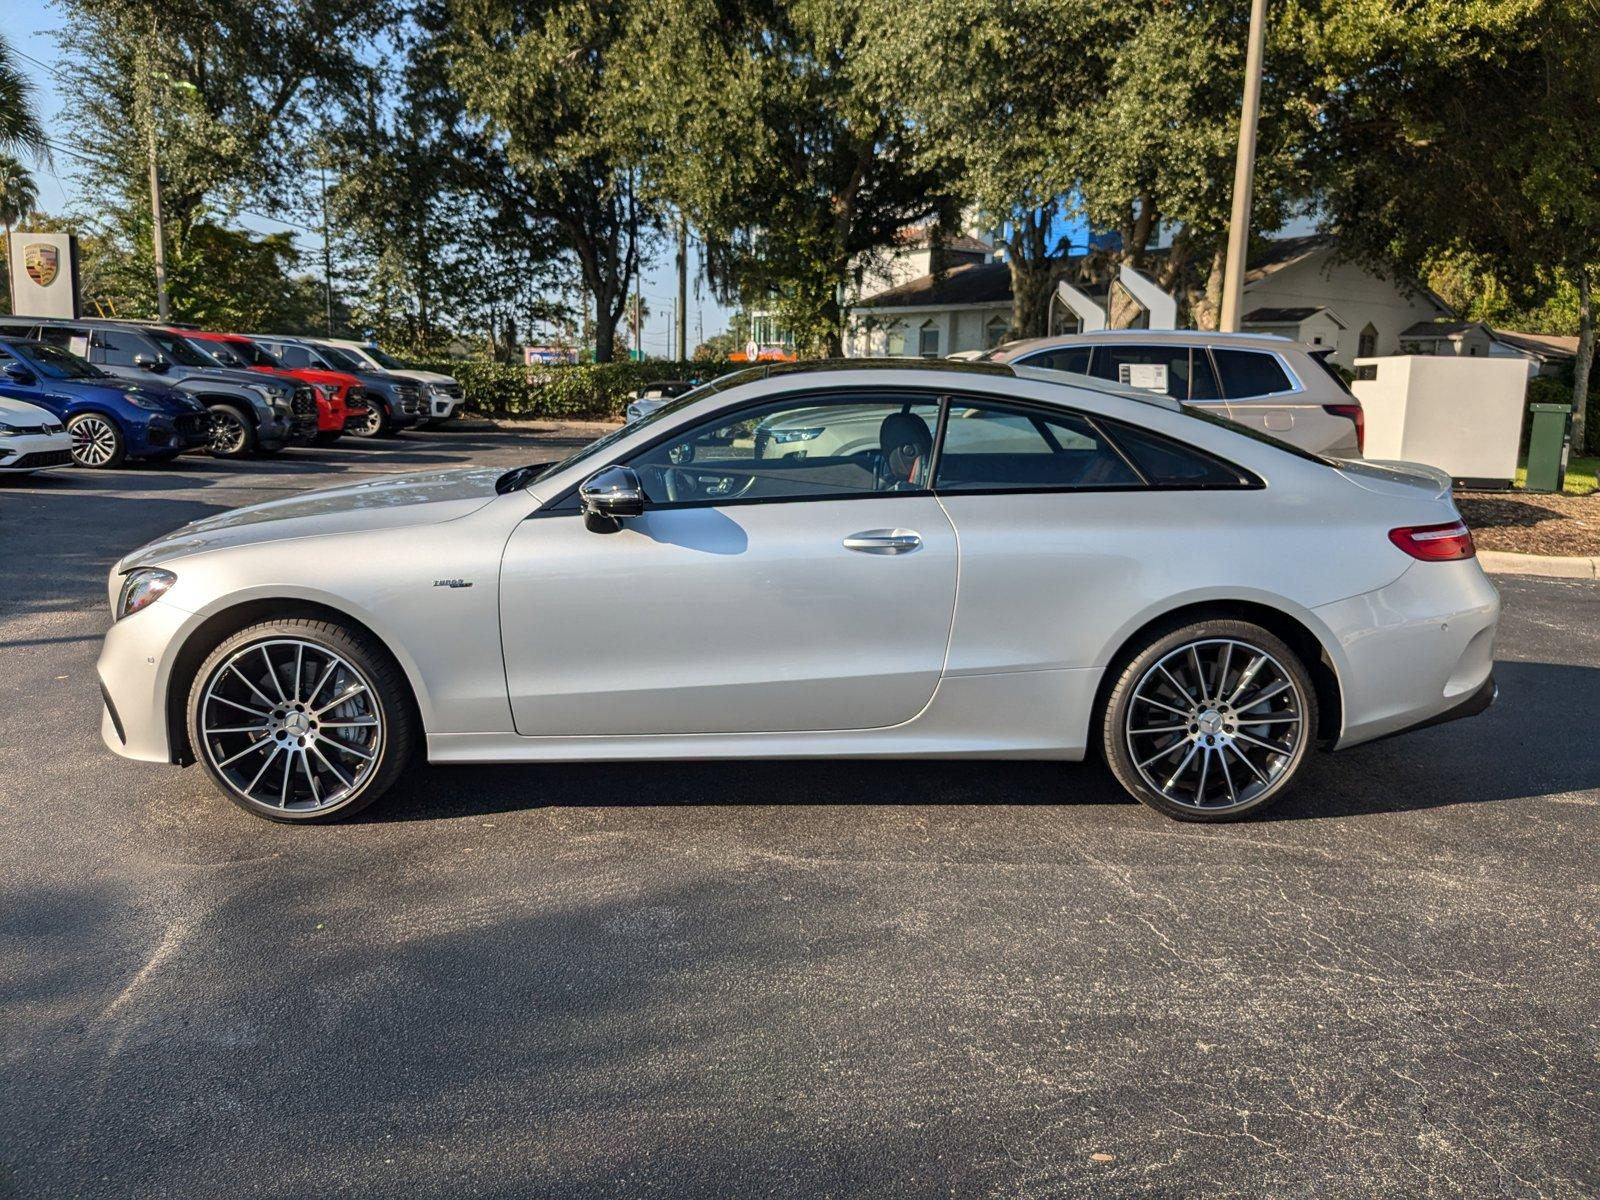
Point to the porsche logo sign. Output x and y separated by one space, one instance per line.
42 262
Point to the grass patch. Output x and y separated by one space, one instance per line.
1583 474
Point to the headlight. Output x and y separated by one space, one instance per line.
146 402
325 392
9 431
142 587
795 435
274 397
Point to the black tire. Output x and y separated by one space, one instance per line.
1267 754
233 434
378 423
395 736
97 441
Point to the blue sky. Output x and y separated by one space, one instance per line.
29 28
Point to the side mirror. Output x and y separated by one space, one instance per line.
156 363
609 496
18 373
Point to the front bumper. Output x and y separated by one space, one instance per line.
442 406
134 667
164 434
35 452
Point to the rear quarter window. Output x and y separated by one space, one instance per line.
1248 373
1169 464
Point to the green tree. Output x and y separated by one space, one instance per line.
20 127
545 76
1468 127
776 130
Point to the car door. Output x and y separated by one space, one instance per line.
766 588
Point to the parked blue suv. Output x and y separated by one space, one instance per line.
110 419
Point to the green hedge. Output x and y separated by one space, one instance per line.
587 392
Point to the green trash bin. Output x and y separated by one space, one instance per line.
1548 441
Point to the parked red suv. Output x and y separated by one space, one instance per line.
341 402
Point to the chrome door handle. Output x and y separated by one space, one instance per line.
884 541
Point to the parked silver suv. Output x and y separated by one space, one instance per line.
1265 383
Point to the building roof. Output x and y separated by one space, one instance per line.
1441 329
1541 345
1281 316
969 283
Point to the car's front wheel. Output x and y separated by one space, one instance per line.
301 720
96 441
376 423
1210 721
232 434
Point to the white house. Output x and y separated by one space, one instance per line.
1546 354
1295 287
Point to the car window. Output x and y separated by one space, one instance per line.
801 447
120 348
294 356
178 350
988 446
1202 379
1152 368
1065 358
73 341
56 363
1321 358
338 359
1247 373
1166 463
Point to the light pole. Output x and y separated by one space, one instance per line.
1244 170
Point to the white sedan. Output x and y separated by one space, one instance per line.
31 439
1018 565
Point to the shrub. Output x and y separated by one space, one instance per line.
583 392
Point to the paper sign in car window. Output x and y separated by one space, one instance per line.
1152 377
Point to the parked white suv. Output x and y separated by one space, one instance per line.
1265 383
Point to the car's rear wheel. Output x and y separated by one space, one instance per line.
232 434
96 441
301 720
1210 721
377 423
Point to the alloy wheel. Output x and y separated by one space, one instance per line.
228 433
373 425
291 725
1215 724
94 441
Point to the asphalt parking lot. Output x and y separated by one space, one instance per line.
786 979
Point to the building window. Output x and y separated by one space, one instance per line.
995 332
1367 347
928 340
894 341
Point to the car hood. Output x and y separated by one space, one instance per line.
26 414
424 376
396 501
241 377
171 399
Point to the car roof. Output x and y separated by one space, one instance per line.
940 371
1007 351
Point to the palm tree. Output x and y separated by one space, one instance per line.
20 127
18 192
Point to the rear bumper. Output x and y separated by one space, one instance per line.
1416 652
1479 701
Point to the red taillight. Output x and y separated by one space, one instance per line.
1353 411
1435 543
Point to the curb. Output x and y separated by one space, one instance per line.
1503 562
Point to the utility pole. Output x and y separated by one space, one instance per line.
681 346
158 234
327 252
1244 171
638 302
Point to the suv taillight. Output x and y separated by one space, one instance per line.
1435 543
1353 411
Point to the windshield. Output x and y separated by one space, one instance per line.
234 353
342 359
59 364
523 476
387 361
178 350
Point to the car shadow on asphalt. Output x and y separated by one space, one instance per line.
1537 740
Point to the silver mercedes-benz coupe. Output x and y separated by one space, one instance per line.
839 560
